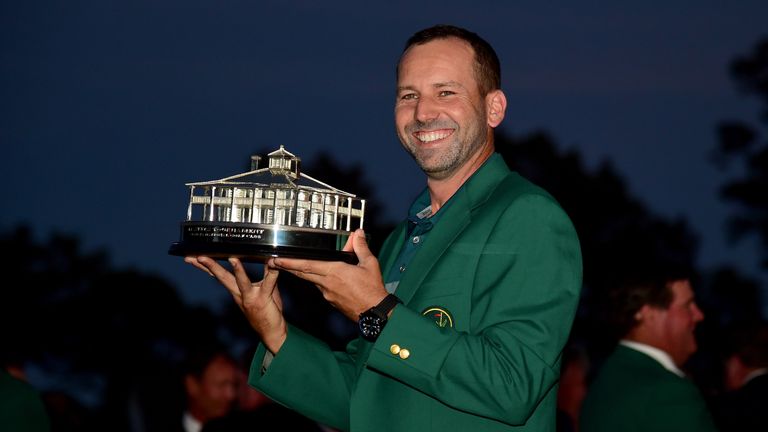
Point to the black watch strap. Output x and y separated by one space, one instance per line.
386 305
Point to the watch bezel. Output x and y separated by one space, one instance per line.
371 322
370 325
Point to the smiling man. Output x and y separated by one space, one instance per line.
464 315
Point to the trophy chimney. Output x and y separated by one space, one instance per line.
255 159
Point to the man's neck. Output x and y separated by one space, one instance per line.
441 190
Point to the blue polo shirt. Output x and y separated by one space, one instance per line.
420 223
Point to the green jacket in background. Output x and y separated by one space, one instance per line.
21 407
504 264
634 392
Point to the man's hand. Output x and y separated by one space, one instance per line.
352 289
260 301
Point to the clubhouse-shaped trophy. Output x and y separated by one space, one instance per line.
276 211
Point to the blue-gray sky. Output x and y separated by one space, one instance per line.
107 108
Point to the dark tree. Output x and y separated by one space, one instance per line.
744 142
618 233
116 335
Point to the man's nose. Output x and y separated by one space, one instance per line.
698 315
426 110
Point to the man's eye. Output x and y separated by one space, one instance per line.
408 96
446 93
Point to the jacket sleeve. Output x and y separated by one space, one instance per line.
308 377
523 297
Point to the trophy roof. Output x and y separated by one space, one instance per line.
282 172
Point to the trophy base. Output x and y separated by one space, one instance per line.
258 242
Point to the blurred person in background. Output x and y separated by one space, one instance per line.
641 386
573 387
744 405
210 385
255 411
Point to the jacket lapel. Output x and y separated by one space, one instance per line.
474 193
440 238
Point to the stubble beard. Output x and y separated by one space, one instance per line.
440 163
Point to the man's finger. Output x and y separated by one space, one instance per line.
241 277
219 272
216 269
307 267
193 260
309 270
270 278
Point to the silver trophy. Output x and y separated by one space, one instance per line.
269 212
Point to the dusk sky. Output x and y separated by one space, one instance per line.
108 108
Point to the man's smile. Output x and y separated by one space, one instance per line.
435 135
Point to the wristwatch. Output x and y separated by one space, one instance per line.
372 321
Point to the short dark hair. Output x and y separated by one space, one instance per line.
200 357
487 67
648 286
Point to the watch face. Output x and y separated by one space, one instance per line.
370 326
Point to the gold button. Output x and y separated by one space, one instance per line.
394 349
404 353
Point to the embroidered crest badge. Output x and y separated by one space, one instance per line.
440 315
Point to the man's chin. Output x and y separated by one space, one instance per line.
427 163
438 173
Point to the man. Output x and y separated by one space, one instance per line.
641 387
742 406
210 385
486 271
254 411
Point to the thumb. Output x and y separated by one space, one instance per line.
360 247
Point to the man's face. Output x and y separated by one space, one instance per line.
440 115
675 325
213 394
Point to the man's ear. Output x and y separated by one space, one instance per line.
649 314
496 107
643 314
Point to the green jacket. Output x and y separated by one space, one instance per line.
21 407
504 264
633 392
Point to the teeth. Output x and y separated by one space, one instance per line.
432 136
